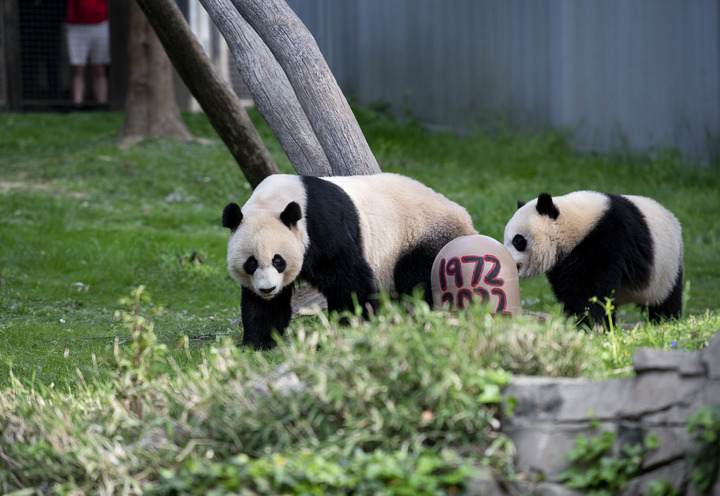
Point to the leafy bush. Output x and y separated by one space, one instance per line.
596 471
410 389
328 472
704 427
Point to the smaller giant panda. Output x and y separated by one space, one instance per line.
603 245
347 236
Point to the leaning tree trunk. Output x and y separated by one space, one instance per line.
271 91
212 92
150 108
309 77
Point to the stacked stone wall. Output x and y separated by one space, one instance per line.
667 387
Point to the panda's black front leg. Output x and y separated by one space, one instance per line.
596 314
260 317
578 304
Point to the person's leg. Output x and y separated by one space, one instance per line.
99 60
78 47
78 84
100 83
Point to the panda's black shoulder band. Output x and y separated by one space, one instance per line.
232 216
545 206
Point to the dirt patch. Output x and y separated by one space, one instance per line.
43 187
8 185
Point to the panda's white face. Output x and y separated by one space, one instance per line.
545 229
264 254
528 237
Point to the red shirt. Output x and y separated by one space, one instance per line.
87 11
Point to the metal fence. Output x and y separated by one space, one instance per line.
622 75
44 66
35 71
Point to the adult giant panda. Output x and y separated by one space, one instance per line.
344 235
603 245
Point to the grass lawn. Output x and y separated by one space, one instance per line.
405 404
82 223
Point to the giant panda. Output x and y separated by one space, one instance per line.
348 236
590 244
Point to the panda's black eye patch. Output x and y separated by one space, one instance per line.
279 263
250 265
519 242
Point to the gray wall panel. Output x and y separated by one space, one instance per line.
637 74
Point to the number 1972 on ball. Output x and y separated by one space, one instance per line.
483 283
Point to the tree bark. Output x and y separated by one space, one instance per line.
150 109
213 93
314 85
270 89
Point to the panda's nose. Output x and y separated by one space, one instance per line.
267 290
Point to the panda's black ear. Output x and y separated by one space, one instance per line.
521 204
232 216
545 206
291 215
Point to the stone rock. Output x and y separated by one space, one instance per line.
485 484
712 393
540 316
575 400
711 357
282 380
673 444
542 447
306 300
677 413
656 391
598 400
559 399
675 473
685 362
547 489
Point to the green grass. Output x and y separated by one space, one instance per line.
404 404
83 222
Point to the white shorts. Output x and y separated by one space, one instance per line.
88 41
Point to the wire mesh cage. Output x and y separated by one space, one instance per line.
44 68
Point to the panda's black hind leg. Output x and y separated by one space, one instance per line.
353 277
260 317
671 308
413 269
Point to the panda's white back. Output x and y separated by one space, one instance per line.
397 213
666 234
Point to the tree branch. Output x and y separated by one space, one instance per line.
316 89
212 92
270 90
